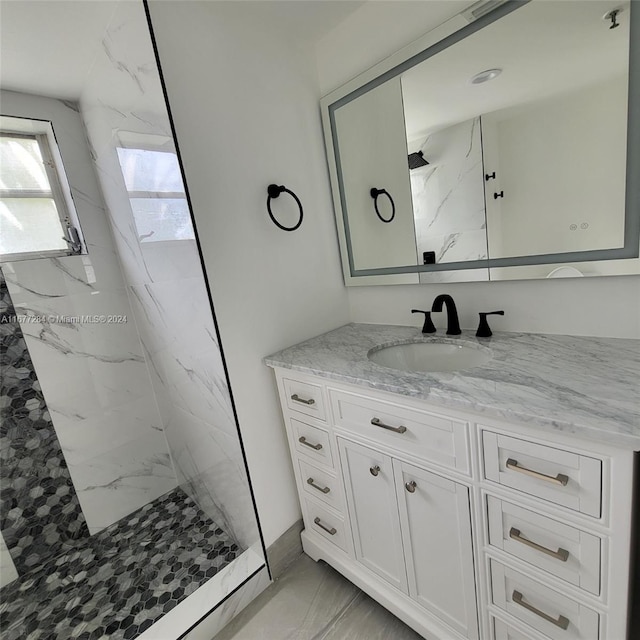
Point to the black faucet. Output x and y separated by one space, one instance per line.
453 325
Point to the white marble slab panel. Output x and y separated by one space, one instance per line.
122 480
99 324
176 313
85 366
176 260
8 571
448 195
177 331
192 383
211 470
83 437
459 246
33 280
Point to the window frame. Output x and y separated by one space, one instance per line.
42 132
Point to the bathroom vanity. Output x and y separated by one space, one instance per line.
494 502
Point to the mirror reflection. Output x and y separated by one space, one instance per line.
507 147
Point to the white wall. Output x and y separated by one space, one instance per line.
373 153
585 306
561 165
245 105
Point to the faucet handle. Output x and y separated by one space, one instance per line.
484 330
428 326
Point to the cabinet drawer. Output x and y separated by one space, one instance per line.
549 612
565 552
312 442
562 477
326 523
321 485
430 436
305 398
503 631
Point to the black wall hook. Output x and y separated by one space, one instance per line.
378 192
274 191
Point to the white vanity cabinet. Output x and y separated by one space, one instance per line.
463 527
435 521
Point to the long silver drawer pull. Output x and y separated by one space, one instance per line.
331 532
311 482
296 398
377 423
560 621
303 440
375 470
559 479
411 486
560 554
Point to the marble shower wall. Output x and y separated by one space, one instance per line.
93 374
123 101
448 195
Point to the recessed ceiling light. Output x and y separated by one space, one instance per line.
485 76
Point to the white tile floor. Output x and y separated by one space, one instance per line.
311 601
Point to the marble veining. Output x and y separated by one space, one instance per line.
573 384
448 195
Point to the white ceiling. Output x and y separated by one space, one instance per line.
47 47
543 48
303 20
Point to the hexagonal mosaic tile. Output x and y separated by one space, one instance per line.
116 584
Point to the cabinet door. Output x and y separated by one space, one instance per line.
436 532
371 499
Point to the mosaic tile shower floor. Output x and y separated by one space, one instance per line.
114 585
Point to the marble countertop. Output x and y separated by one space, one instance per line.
571 384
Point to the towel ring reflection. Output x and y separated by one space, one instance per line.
378 192
274 191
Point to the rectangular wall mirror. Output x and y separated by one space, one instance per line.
501 148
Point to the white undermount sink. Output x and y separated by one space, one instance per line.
441 355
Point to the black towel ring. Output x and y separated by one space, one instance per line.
274 191
377 192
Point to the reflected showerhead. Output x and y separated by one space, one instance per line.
417 160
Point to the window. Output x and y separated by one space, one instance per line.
156 193
36 210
